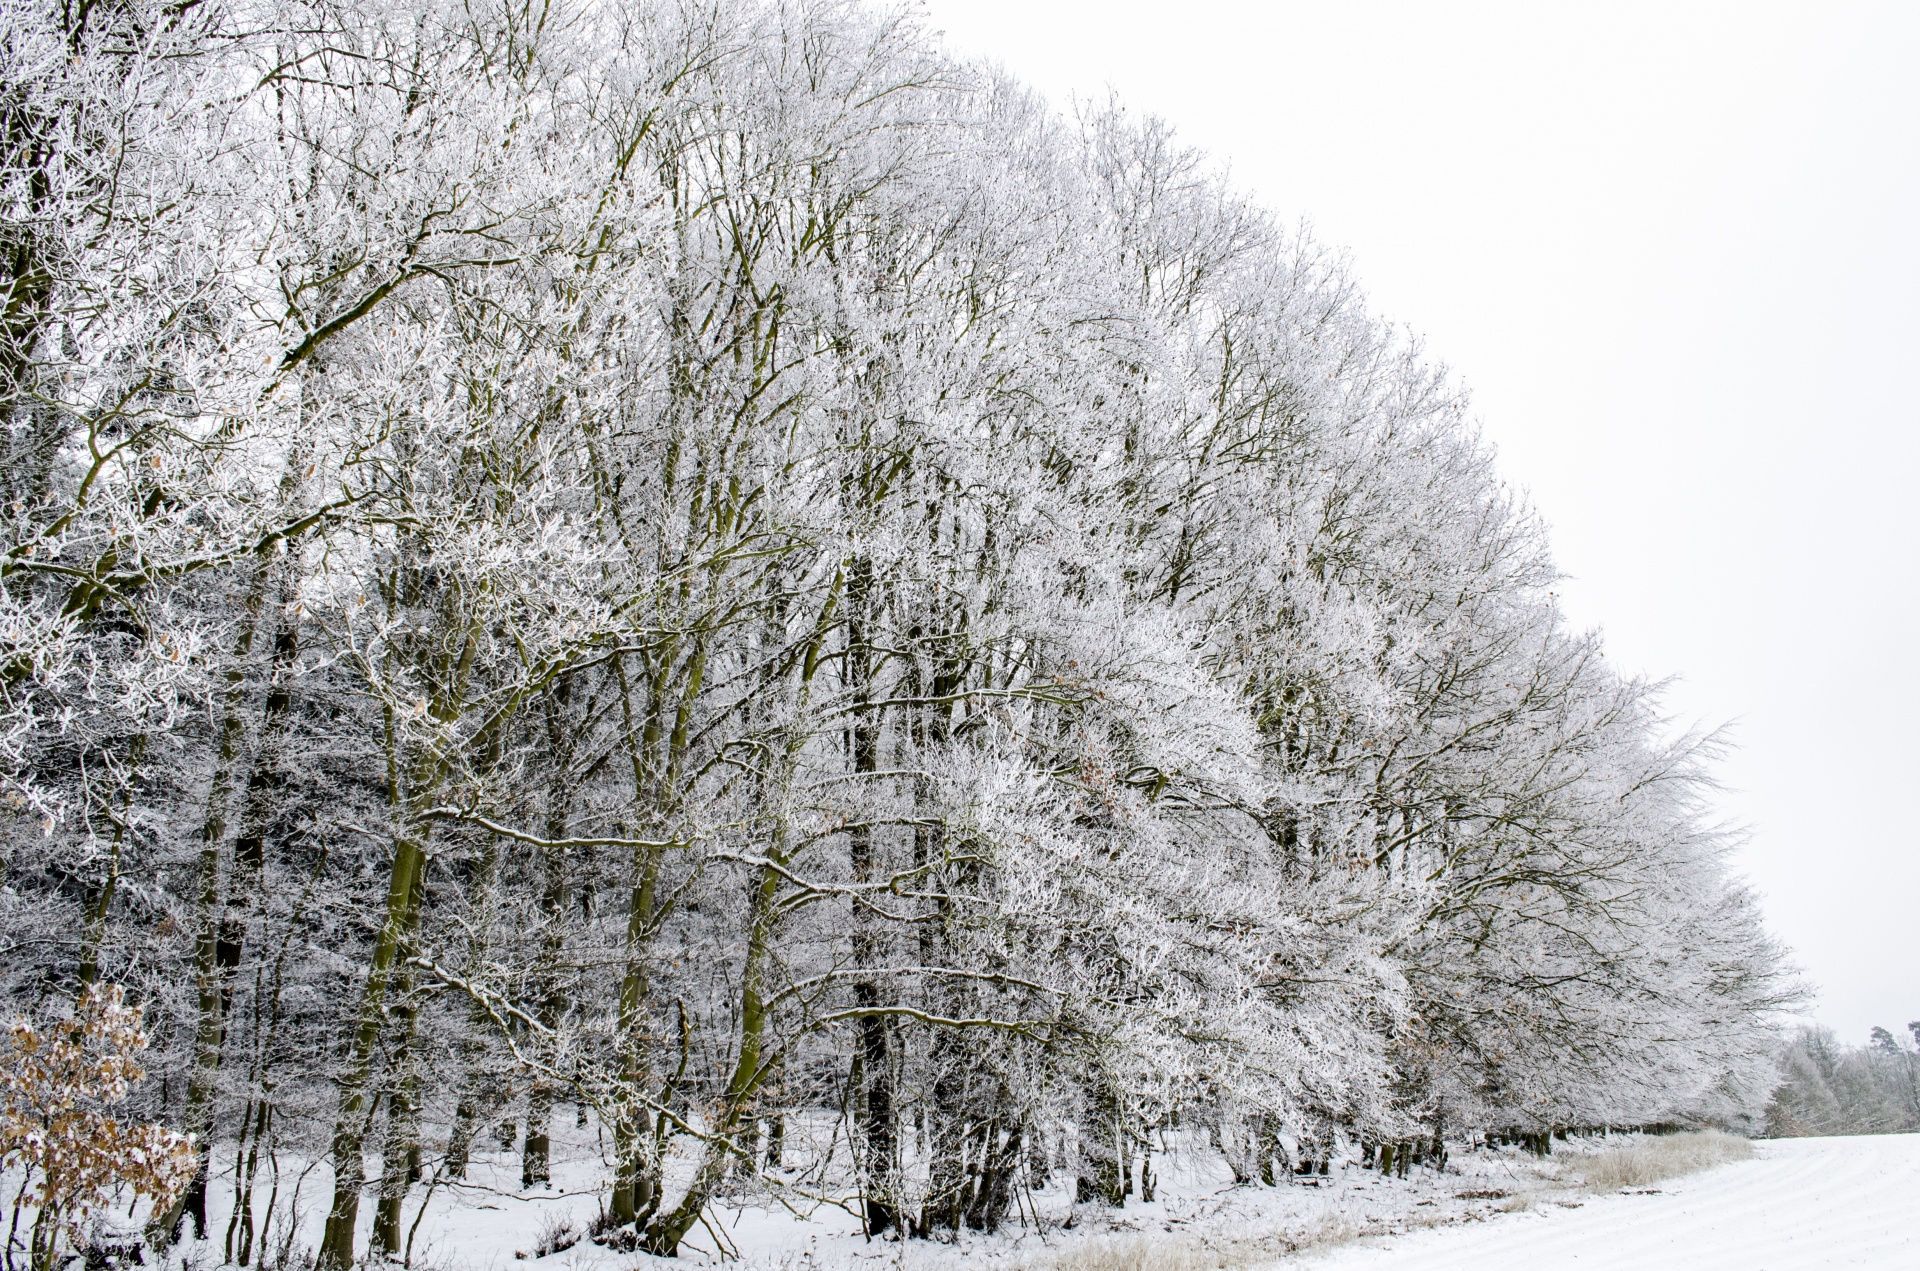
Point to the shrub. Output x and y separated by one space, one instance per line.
57 1083
610 1233
557 1232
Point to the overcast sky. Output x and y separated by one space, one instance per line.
1674 250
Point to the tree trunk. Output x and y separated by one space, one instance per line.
222 925
879 1183
479 1097
536 1160
664 1234
350 1126
93 936
637 1132
1102 1150
400 1154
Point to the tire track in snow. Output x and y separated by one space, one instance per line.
1802 1204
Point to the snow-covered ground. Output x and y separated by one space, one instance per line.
1799 1204
489 1223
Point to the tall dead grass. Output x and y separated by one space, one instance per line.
1165 1253
1662 1156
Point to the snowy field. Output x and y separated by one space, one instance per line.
1800 1203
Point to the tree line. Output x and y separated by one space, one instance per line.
1828 1088
712 564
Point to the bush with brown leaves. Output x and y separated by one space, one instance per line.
57 1083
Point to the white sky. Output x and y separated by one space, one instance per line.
1674 249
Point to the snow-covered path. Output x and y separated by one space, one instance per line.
1804 1203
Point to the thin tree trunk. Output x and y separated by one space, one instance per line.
478 1096
336 1251
400 1153
636 1133
94 934
222 926
948 1055
536 1160
664 1234
878 1136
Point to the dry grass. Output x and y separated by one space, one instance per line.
1166 1253
1145 1253
1659 1157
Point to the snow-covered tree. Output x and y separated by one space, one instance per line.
712 562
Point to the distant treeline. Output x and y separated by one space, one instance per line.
1833 1089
